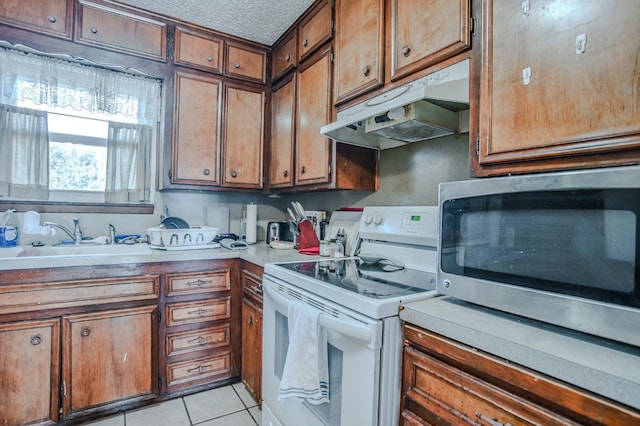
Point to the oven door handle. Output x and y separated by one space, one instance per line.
345 328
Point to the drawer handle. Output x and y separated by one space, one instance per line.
199 312
200 340
199 369
492 422
94 30
366 71
85 331
52 19
36 340
406 51
209 58
199 282
236 65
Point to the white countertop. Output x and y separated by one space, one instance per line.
598 365
259 253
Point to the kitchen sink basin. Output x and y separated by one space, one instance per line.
74 250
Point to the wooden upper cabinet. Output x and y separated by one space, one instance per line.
120 30
359 47
424 33
315 30
558 86
284 57
282 133
197 50
243 137
196 129
109 357
52 17
313 150
30 371
246 62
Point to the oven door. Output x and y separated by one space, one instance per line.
354 343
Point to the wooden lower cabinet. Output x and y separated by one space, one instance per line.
107 357
445 382
29 371
252 329
201 311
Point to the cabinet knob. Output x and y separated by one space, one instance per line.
303 170
94 30
85 331
209 58
250 322
305 43
234 174
206 172
36 340
52 19
287 58
366 70
285 173
236 65
406 51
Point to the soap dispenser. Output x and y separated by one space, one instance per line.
9 226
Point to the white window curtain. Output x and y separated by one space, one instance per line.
128 178
24 153
59 83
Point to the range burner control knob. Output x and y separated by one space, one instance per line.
368 218
378 219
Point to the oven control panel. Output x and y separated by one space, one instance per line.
402 224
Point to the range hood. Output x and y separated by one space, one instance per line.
433 106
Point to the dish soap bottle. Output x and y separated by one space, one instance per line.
9 226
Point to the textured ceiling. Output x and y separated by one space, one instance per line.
263 21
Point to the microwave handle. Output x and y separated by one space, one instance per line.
345 328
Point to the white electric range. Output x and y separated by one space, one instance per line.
359 299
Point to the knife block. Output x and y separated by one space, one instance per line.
307 237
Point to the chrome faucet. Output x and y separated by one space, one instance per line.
76 235
112 234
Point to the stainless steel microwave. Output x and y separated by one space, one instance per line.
562 248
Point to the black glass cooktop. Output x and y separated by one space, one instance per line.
378 281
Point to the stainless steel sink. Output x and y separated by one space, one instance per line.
74 250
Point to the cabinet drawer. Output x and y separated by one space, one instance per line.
192 312
246 63
204 369
121 31
315 30
285 57
197 340
40 296
198 283
198 51
51 17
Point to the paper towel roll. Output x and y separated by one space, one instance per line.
252 223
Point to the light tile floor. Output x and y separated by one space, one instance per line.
229 406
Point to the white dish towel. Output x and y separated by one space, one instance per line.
306 368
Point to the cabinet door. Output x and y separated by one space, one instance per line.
243 137
282 134
246 63
196 129
29 372
558 88
359 47
108 356
198 51
313 150
252 348
53 17
426 32
284 57
315 29
121 31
